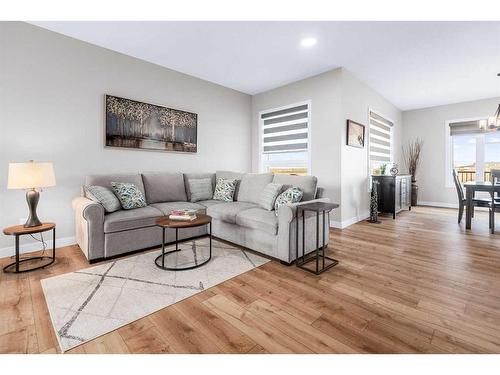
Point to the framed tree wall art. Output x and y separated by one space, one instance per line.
355 134
138 125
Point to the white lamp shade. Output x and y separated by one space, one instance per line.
31 175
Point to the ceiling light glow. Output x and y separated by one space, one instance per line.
308 42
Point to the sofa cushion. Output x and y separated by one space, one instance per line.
228 175
269 194
131 219
168 207
189 176
258 218
227 211
164 187
209 202
106 179
307 184
129 195
201 189
251 185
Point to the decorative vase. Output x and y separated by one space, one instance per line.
414 193
394 170
374 204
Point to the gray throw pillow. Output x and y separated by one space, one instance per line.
129 195
224 190
201 189
290 195
269 194
104 196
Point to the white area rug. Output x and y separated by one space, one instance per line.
91 302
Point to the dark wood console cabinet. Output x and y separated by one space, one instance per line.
394 193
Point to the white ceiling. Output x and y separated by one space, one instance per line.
412 64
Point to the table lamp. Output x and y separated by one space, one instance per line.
30 176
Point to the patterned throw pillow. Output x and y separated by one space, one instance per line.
224 190
104 196
129 195
269 194
290 195
201 189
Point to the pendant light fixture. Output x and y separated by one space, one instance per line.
494 121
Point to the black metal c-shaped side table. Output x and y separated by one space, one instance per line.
322 261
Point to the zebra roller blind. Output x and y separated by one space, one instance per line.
380 139
468 127
286 130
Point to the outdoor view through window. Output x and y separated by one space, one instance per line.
475 155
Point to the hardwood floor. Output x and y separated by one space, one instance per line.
419 284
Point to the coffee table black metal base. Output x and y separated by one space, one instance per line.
160 260
317 255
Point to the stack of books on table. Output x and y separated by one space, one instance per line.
183 215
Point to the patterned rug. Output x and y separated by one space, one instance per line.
88 303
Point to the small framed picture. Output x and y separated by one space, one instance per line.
355 134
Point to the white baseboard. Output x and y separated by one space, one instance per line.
438 204
447 205
35 246
345 223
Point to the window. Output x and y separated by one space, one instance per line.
285 139
380 141
474 150
464 157
491 153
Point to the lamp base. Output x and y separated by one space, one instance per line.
32 197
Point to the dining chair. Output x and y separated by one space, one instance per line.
495 173
476 202
494 205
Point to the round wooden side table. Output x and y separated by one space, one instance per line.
19 230
165 222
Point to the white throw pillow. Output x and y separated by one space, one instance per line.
201 189
269 194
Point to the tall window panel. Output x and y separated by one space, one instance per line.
380 141
285 139
475 150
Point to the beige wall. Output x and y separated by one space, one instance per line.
357 100
51 98
324 91
429 125
342 170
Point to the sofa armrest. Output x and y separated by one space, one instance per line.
89 227
287 213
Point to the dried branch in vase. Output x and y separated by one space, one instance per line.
411 156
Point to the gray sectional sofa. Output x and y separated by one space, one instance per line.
242 222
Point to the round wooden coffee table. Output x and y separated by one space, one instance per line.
164 222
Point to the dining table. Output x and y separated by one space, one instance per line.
470 190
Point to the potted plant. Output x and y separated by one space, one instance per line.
411 156
383 167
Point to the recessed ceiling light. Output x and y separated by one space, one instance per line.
308 42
